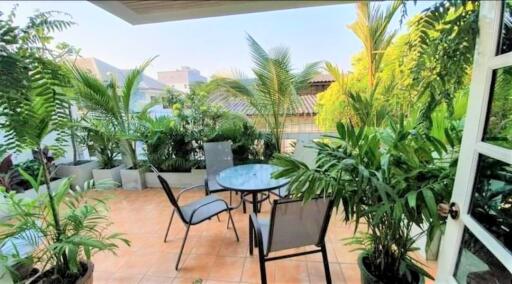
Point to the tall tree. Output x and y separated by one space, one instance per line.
274 94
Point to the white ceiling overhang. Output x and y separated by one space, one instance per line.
146 12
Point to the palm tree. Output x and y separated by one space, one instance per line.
274 94
109 101
371 27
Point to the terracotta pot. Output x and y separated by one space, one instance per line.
87 278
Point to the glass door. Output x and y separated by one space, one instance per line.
477 246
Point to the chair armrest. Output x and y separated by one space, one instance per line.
185 190
208 203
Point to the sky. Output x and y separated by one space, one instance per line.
211 45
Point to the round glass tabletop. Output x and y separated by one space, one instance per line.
252 177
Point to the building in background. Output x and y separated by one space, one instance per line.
300 125
149 88
181 79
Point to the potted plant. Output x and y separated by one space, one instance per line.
114 107
101 139
67 235
169 147
385 178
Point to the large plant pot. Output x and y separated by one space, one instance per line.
113 174
81 172
133 179
368 278
87 278
179 180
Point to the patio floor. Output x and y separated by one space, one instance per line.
211 253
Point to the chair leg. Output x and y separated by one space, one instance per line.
230 197
182 247
263 270
326 265
251 236
233 223
169 226
218 218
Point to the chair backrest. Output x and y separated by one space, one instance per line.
294 223
168 191
218 157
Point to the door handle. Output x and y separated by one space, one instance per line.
451 210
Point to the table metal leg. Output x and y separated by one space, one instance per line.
255 203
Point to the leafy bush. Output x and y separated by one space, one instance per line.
169 146
387 178
101 137
242 134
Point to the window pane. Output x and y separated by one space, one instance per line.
476 264
505 42
491 205
498 130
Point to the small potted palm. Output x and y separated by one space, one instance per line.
67 228
384 179
101 139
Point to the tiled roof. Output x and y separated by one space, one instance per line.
306 104
322 78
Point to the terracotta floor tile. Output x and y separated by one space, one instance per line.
317 272
351 273
196 266
227 268
291 272
211 253
125 278
251 272
101 277
188 281
164 265
148 279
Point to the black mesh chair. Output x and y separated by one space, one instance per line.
292 224
195 212
218 157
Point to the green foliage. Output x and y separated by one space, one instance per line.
32 92
169 145
386 178
110 102
274 93
442 42
83 222
417 73
242 134
101 136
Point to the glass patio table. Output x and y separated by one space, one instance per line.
251 179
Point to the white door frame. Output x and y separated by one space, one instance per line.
485 61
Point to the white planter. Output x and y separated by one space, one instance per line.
113 174
80 173
133 179
27 194
179 180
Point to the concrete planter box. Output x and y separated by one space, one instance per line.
113 174
133 179
80 173
179 180
28 194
